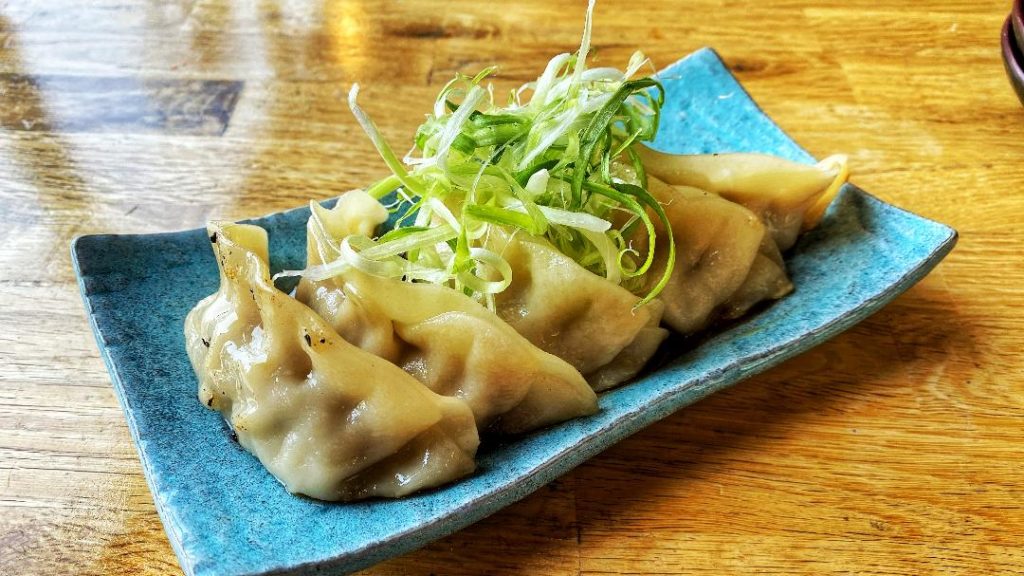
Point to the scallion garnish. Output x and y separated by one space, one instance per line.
559 165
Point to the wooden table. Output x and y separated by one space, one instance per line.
896 448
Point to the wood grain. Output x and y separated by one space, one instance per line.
892 449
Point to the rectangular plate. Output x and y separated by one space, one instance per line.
225 514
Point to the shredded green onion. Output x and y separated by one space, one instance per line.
560 165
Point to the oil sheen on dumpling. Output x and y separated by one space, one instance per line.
574 314
445 339
788 196
327 419
725 259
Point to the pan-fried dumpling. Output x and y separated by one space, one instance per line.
725 260
327 419
788 196
442 337
574 314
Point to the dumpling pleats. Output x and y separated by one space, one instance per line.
327 419
788 196
566 310
725 260
443 338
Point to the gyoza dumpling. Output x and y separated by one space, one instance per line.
326 418
725 260
442 337
789 197
575 314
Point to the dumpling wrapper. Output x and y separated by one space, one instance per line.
580 317
788 196
327 419
445 339
726 261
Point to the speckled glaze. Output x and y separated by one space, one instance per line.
1013 59
225 514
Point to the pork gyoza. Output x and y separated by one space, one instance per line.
422 369
445 339
326 418
537 253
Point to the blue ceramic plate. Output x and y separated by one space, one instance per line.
225 514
